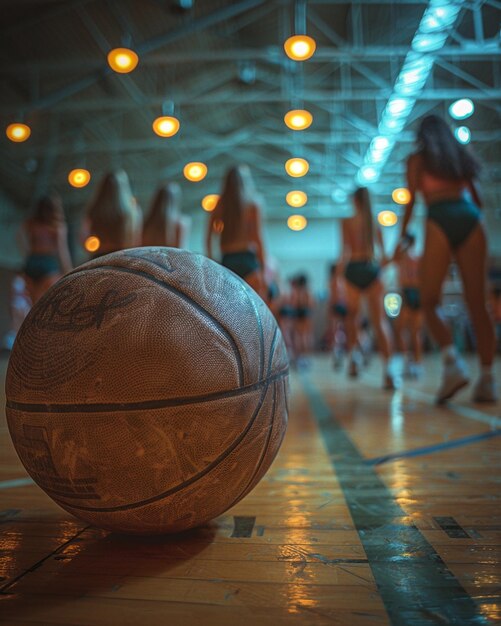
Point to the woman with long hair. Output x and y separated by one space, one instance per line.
162 226
112 216
237 221
445 173
360 236
45 238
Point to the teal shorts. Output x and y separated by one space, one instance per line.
456 218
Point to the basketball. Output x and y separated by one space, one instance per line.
147 391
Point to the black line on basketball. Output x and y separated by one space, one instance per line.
111 407
248 486
209 467
189 481
186 298
261 334
183 296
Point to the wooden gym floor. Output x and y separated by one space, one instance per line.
380 509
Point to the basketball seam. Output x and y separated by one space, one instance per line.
207 469
246 489
147 404
184 296
261 335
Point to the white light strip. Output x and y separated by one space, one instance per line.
430 36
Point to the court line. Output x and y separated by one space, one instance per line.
413 581
16 482
439 447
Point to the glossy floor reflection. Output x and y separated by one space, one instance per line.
380 509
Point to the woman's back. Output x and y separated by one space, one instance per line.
162 226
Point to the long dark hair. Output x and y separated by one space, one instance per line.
160 224
363 203
235 196
443 155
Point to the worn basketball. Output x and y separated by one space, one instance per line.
147 391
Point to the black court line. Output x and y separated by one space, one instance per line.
452 528
439 447
243 526
416 586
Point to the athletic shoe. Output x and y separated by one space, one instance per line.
485 389
454 378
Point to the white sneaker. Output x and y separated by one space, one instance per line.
454 378
485 389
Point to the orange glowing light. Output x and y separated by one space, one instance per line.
166 126
401 195
387 218
122 60
209 202
300 47
297 167
18 132
195 171
296 198
79 177
92 244
298 119
297 222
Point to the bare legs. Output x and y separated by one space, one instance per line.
471 258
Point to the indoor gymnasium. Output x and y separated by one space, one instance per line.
250 313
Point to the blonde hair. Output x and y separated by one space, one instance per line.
160 225
237 193
113 214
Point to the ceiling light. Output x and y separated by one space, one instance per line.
339 195
298 119
300 47
209 202
18 132
195 171
122 60
79 177
297 222
401 195
461 109
166 126
297 167
92 244
463 134
296 198
368 174
387 218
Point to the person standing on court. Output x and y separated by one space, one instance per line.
445 173
362 274
44 236
410 320
236 220
163 224
112 215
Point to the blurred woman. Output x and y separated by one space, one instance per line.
336 313
236 221
410 320
112 216
360 236
302 303
445 173
162 226
45 238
